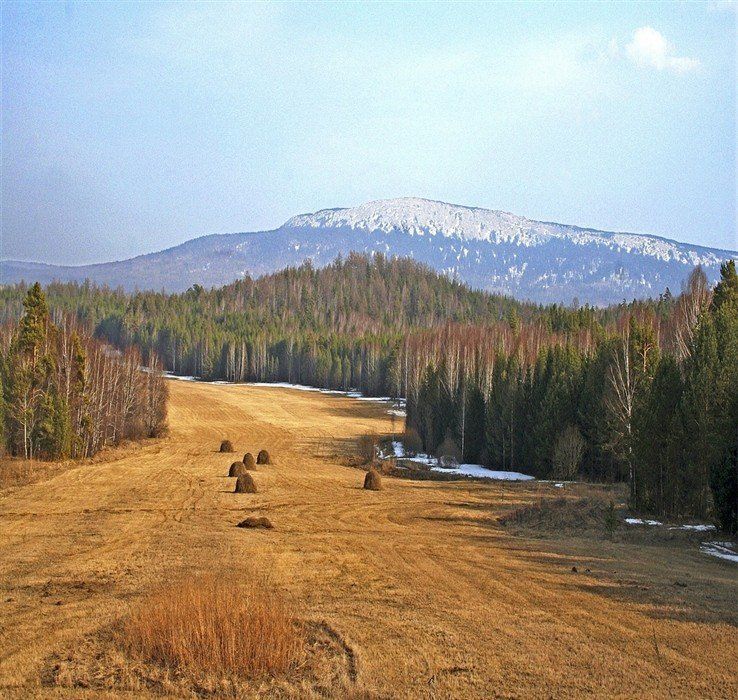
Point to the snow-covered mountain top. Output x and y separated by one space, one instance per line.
423 217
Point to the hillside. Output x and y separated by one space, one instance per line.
486 249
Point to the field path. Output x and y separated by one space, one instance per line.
431 596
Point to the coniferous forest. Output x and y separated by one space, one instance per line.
643 392
65 394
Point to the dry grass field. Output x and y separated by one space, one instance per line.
416 590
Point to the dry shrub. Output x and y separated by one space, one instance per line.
367 448
388 466
372 480
208 625
249 461
256 521
226 446
411 441
450 450
263 457
557 515
245 484
237 469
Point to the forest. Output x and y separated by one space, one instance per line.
65 394
641 392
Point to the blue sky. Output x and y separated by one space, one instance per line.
132 127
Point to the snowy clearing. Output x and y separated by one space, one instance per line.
473 470
722 550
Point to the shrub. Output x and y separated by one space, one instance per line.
237 468
226 446
263 457
449 449
248 460
245 484
411 440
372 480
256 521
568 452
367 448
207 624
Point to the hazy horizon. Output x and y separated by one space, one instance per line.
132 128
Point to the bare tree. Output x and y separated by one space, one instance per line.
568 452
690 305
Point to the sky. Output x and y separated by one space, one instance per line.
128 128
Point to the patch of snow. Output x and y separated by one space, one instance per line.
697 528
181 378
639 521
480 472
398 448
558 486
722 550
473 470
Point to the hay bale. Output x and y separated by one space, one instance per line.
263 457
256 521
249 461
245 484
237 468
226 446
372 480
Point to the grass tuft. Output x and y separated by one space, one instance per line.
206 625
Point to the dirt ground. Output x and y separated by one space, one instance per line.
429 594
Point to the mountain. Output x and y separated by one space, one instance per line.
487 249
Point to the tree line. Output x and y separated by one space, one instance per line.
642 392
64 394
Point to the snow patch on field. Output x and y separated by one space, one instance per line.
480 472
181 377
696 528
722 550
639 521
476 471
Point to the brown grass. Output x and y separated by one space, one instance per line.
263 457
210 625
237 468
428 593
249 461
226 446
245 484
17 472
372 480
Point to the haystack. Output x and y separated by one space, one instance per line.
263 457
372 480
256 521
248 461
245 484
226 446
237 468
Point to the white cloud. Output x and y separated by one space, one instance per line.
650 49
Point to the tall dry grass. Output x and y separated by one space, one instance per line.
207 625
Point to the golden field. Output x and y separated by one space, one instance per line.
413 591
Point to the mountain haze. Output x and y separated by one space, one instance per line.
487 249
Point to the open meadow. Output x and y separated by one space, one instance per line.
416 590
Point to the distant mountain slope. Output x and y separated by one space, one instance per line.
492 250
